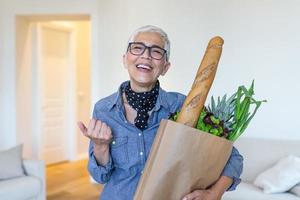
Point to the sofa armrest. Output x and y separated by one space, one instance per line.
36 168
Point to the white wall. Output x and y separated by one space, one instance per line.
2 94
261 42
25 79
2 72
83 53
7 79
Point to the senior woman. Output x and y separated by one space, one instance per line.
124 124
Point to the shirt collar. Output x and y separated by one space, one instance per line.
117 97
161 100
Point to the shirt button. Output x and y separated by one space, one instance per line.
140 134
142 172
113 142
141 153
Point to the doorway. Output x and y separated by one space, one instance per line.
53 83
55 67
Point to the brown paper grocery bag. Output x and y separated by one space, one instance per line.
181 160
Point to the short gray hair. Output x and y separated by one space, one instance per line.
153 29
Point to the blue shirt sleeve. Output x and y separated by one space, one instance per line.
234 168
100 173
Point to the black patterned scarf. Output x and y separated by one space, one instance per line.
142 102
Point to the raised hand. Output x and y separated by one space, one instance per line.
101 135
97 131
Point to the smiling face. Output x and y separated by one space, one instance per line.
143 69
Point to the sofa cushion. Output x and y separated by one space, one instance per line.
25 187
11 163
284 175
247 191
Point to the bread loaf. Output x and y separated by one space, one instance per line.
195 100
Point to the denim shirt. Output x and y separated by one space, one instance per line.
131 146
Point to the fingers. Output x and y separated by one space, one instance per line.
107 132
102 131
82 128
91 126
99 132
193 195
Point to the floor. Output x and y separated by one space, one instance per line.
70 180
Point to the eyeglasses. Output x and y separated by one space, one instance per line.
138 48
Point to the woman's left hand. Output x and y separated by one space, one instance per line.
208 194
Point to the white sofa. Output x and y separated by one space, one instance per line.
259 155
32 186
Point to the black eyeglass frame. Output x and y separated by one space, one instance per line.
146 47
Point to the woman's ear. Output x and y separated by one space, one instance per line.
124 61
166 68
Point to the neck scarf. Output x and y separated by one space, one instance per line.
142 102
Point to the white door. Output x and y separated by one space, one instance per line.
55 65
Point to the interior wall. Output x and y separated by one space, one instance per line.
261 43
2 72
24 84
83 72
7 79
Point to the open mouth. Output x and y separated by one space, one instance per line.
144 67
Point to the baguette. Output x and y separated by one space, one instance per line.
195 100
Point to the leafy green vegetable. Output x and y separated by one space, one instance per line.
207 122
174 116
242 113
230 117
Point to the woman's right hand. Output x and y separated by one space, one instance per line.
98 132
101 136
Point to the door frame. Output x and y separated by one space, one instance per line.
71 106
